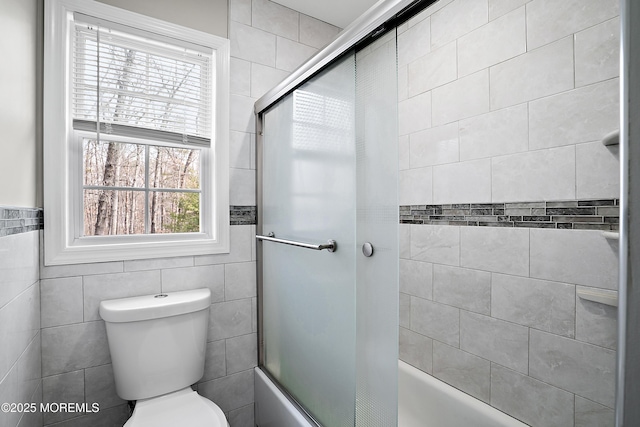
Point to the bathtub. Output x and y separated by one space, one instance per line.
423 401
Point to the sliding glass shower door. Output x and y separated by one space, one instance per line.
329 172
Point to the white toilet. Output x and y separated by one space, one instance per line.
157 345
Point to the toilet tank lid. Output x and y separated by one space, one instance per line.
154 306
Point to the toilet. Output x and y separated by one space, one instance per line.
157 345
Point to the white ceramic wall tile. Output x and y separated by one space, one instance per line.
550 20
434 69
264 78
416 278
215 363
541 72
242 239
72 347
239 280
242 187
405 310
414 114
597 171
230 319
19 261
436 243
497 41
316 33
462 288
231 392
253 151
548 306
242 117
598 53
496 249
240 11
584 369
252 44
19 324
499 341
462 370
405 241
240 150
414 43
403 82
535 175
404 156
113 286
71 270
290 55
496 133
416 350
596 323
22 383
62 301
456 19
100 387
187 278
274 18
497 8
158 263
67 387
554 256
415 186
438 321
464 182
434 146
530 400
463 98
240 77
242 416
581 115
591 414
427 12
242 353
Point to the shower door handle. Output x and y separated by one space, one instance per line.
331 245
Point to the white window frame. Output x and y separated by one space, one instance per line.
63 242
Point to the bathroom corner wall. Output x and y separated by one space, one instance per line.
505 190
267 42
20 375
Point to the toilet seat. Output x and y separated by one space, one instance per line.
181 408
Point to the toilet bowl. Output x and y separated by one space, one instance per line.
157 345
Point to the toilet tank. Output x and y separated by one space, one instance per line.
157 342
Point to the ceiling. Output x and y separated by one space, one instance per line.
337 12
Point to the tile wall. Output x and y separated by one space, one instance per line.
502 107
20 337
267 42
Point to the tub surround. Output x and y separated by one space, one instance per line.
505 190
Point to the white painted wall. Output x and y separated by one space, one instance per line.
210 15
19 184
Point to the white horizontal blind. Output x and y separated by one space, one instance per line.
130 83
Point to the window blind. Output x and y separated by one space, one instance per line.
131 83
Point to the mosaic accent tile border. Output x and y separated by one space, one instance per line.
20 220
243 215
572 214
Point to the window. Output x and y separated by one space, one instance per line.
136 129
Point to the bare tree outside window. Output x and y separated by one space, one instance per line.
132 187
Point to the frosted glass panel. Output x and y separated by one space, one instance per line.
377 223
309 316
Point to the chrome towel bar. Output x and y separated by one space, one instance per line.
331 245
